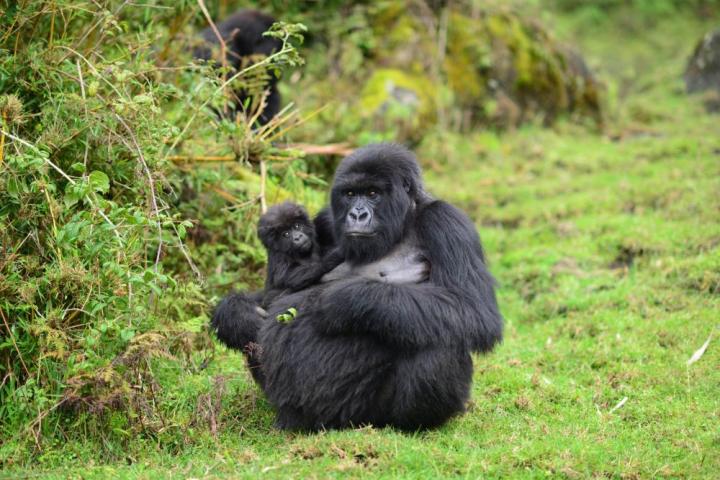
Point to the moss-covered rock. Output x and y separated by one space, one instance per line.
703 70
398 102
463 66
505 69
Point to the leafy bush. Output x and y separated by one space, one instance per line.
97 279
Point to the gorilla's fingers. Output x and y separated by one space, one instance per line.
261 311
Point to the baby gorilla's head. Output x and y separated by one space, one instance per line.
286 228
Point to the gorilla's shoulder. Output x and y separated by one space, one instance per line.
447 231
440 214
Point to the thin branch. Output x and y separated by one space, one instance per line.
223 47
202 158
82 91
12 337
263 180
37 150
2 138
153 198
186 254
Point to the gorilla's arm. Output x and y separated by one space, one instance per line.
456 307
303 275
236 319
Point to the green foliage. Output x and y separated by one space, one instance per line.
98 287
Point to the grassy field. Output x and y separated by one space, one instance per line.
607 253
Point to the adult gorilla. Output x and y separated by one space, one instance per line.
366 352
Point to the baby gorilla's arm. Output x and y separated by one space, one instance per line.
310 272
406 264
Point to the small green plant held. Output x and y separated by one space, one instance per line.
288 316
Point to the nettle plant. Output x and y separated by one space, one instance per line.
88 122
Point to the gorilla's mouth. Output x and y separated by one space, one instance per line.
360 234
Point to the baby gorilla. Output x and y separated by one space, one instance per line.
294 261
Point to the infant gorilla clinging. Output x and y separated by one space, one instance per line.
294 261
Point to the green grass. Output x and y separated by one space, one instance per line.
607 253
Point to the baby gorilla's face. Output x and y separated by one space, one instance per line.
296 238
287 229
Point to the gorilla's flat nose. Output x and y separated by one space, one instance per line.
298 236
359 215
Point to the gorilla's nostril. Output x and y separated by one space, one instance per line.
363 216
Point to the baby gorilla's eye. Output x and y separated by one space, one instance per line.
286 233
296 226
350 193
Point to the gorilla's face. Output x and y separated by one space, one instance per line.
373 198
295 239
286 229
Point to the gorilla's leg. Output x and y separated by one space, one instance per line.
253 356
430 387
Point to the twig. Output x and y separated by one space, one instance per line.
82 91
307 117
202 158
329 149
263 178
619 405
700 351
185 253
223 47
2 138
12 337
37 150
153 198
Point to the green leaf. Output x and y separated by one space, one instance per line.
72 195
142 98
127 334
99 182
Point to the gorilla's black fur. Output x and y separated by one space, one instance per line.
242 33
366 352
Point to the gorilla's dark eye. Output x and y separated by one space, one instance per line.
296 226
286 233
372 194
350 193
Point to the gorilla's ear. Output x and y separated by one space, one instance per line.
407 185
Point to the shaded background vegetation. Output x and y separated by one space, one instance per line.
127 208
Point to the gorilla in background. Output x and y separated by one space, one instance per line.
242 33
361 351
